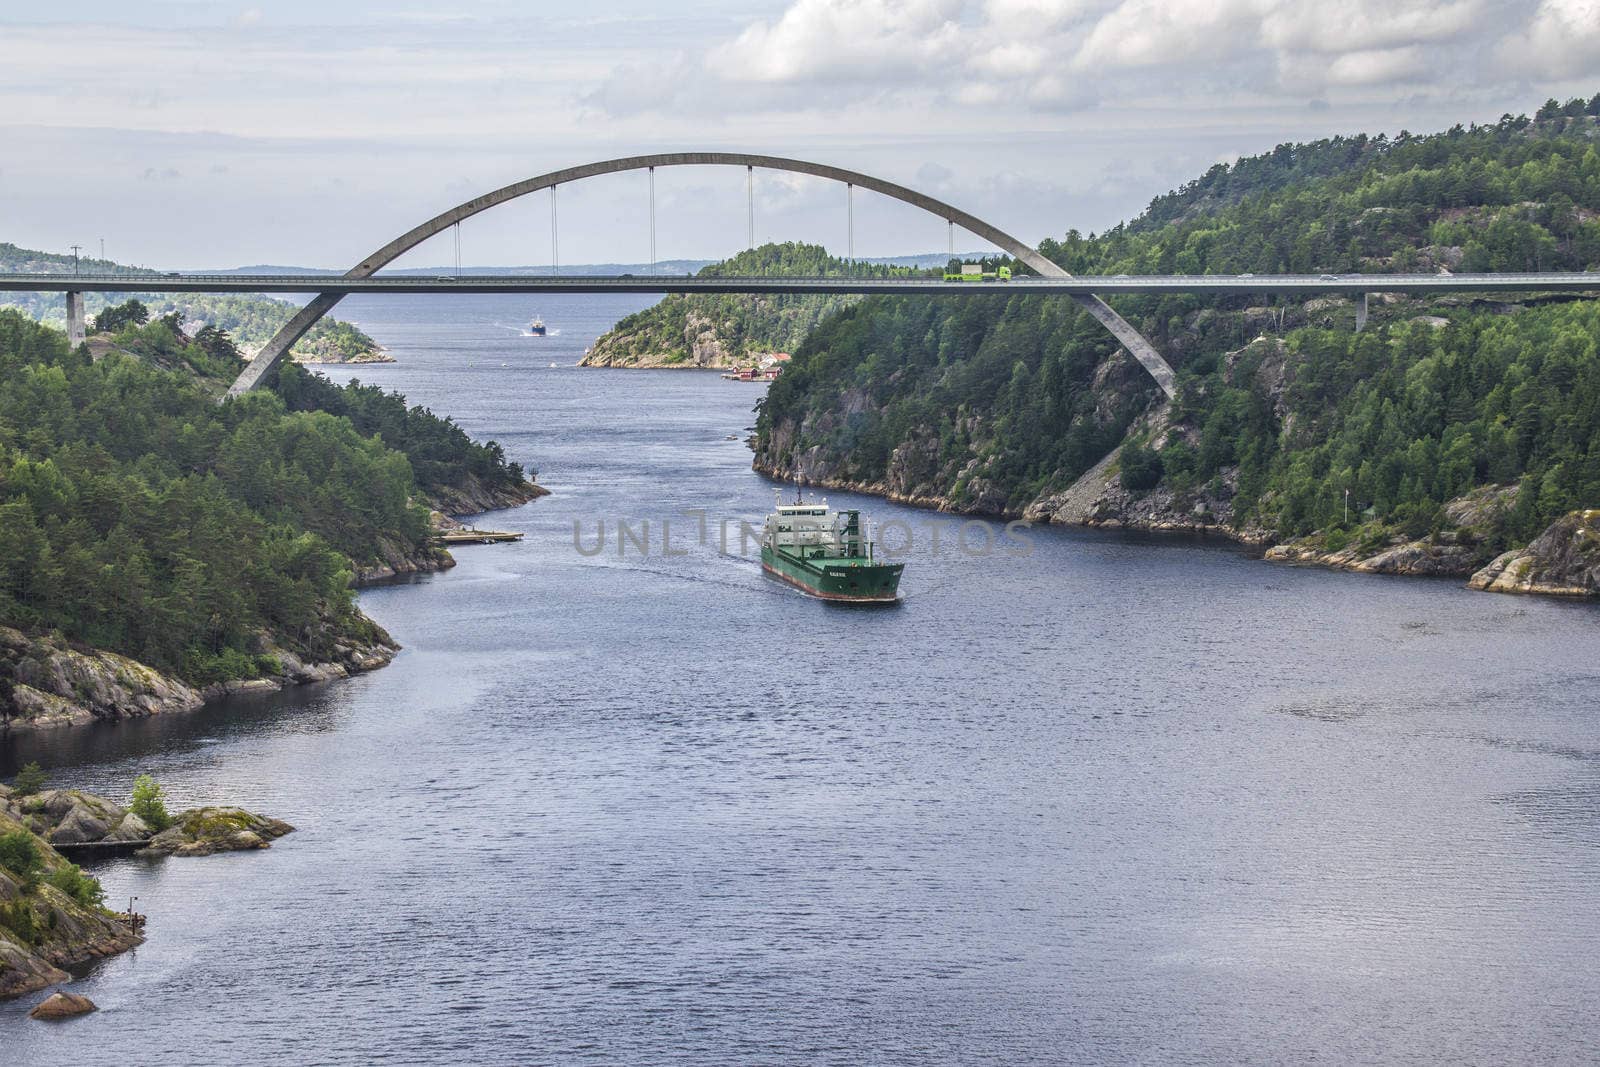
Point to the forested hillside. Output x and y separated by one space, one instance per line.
250 320
140 516
1001 403
732 329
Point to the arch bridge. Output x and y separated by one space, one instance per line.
274 352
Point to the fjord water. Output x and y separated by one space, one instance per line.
1121 800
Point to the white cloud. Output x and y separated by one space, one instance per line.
1019 56
1314 72
1562 40
1369 25
857 40
1151 33
1047 90
1036 17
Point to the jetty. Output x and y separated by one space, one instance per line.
471 535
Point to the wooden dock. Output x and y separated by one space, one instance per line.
471 535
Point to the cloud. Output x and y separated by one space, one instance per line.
1562 40
854 40
1150 33
1369 25
234 113
1022 56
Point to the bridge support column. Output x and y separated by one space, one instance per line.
74 319
1361 312
276 350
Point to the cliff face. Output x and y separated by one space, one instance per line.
471 495
1563 561
960 468
699 346
44 682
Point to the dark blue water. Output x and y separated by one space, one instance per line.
1120 801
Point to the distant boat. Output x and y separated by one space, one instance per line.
536 327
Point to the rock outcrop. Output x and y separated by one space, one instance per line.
204 831
43 929
46 682
71 817
1455 551
61 1005
1562 561
472 496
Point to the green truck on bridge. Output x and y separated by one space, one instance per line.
974 272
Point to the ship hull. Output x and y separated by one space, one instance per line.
871 583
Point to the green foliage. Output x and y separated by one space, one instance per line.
149 803
20 853
1141 468
1020 393
164 344
442 456
19 917
1003 379
119 317
1410 416
83 888
139 515
29 780
253 321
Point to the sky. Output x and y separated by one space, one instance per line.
190 134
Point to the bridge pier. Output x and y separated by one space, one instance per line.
277 349
75 319
1361 312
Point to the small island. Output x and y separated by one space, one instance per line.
53 915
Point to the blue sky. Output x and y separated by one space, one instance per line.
193 134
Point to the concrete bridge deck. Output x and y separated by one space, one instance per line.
1077 285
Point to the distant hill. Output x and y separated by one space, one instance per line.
251 320
721 330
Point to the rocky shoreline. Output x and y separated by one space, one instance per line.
1563 561
472 497
46 682
378 354
52 917
700 347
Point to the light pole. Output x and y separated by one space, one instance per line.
75 249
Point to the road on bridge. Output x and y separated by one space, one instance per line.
1549 281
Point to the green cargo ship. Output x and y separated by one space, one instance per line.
826 553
